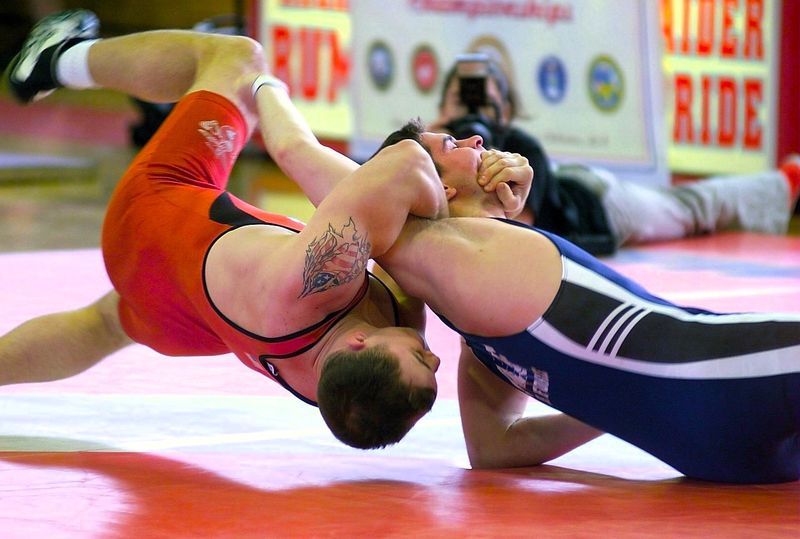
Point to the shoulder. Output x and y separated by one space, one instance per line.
272 281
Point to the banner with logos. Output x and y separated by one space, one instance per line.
588 72
721 58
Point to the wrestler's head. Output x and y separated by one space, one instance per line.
371 393
456 161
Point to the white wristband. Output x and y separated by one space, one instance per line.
268 80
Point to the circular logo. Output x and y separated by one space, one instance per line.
424 68
606 83
380 64
552 79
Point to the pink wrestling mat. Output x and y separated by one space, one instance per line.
146 446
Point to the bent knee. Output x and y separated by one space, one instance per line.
227 65
241 51
225 57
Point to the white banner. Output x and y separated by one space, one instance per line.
588 72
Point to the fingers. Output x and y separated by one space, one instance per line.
491 165
512 202
502 167
509 175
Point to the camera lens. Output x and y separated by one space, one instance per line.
469 125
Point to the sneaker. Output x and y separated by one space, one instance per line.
31 73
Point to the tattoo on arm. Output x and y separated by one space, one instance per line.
335 258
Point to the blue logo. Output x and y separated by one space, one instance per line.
552 78
380 64
606 84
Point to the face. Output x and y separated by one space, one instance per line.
452 107
457 160
418 365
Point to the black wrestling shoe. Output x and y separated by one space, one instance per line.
31 74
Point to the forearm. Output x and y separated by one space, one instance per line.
497 433
294 147
530 441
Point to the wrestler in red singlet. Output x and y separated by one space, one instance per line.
163 218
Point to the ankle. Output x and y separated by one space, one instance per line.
71 68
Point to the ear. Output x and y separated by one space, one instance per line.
449 192
356 341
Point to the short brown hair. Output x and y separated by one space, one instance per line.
412 130
363 400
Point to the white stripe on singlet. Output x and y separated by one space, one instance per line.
751 365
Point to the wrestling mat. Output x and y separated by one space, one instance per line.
151 447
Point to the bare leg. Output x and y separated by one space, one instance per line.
158 66
163 65
60 345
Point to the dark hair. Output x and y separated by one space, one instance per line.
363 400
508 93
412 130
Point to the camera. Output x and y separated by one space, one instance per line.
472 71
477 124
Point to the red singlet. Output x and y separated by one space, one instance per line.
169 208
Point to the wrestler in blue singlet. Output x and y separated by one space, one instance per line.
716 396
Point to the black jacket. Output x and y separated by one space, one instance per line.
561 204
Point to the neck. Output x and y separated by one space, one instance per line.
365 317
476 206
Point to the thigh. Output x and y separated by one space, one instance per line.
644 214
198 144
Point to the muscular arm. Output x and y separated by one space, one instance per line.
496 433
294 147
359 219
380 195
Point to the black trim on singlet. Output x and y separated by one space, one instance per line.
395 306
361 292
341 313
273 370
331 319
224 211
